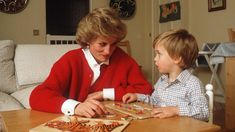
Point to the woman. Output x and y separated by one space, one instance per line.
76 84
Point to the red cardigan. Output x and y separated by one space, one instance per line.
71 76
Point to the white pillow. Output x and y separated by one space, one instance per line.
33 62
7 70
7 102
23 96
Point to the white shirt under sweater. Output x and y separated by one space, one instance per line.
69 105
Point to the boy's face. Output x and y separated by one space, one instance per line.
102 48
163 61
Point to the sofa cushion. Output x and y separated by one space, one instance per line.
33 62
23 96
7 102
7 72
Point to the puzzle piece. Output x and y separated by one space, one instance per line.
137 110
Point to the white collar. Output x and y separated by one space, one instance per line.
92 62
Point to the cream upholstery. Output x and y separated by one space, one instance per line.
22 67
23 95
7 76
33 62
8 102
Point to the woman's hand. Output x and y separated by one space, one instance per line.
165 112
95 96
129 97
90 108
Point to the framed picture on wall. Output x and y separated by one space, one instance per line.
170 12
215 5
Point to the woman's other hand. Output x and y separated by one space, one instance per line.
95 96
129 97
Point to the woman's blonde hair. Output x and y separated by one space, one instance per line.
100 22
179 43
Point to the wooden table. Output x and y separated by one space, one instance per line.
23 120
230 93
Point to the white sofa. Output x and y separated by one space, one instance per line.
22 67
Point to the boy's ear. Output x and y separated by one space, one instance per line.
178 60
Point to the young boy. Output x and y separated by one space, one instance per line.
177 92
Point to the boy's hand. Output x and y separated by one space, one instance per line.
165 112
129 97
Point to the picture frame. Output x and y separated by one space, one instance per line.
216 5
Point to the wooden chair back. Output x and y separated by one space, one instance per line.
231 35
125 45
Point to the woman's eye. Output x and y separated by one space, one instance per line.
102 44
114 44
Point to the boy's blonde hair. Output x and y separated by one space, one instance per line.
100 22
179 43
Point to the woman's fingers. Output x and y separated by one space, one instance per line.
88 114
90 108
128 98
98 107
125 98
84 110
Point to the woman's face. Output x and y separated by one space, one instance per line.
102 48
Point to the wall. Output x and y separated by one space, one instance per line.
138 34
98 3
19 27
210 26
